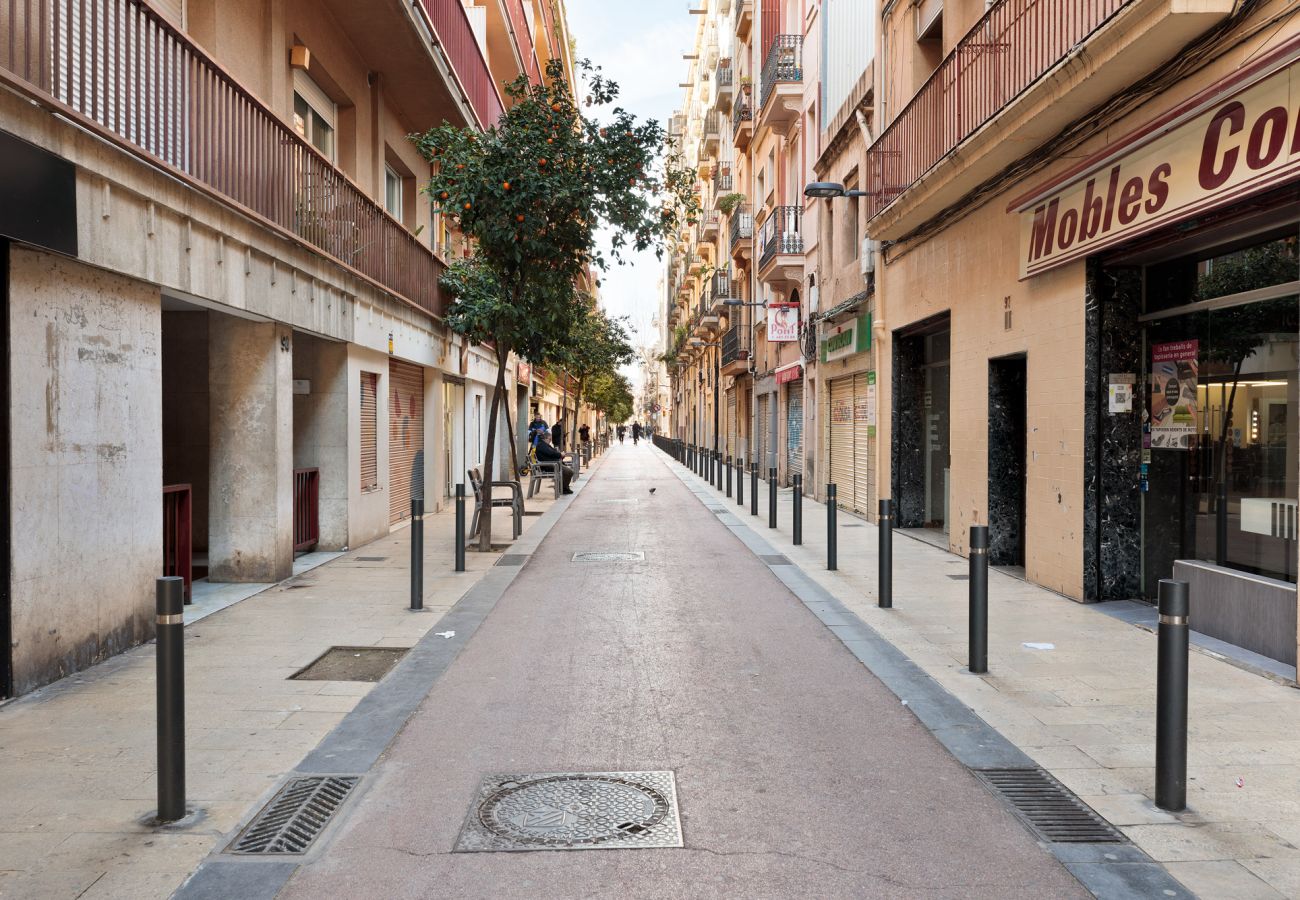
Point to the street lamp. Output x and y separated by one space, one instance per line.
829 190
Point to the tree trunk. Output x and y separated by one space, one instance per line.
485 514
514 452
577 409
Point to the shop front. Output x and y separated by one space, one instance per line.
1190 233
849 411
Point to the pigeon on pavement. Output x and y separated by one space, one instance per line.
652 490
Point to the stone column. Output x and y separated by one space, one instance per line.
250 373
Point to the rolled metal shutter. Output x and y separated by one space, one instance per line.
369 431
862 461
733 449
405 437
793 430
839 440
760 437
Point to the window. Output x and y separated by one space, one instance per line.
393 192
851 238
314 114
369 431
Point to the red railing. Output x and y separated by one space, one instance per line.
119 69
524 39
178 534
1012 46
456 36
306 508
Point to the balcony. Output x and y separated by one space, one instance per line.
712 135
743 17
742 233
722 179
1023 72
710 222
720 291
782 84
735 350
211 134
742 117
724 86
780 241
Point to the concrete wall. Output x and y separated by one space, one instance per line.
85 374
320 430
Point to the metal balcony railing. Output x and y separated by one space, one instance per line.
720 286
713 124
724 75
1012 46
784 63
710 218
120 70
780 233
743 111
742 225
722 179
735 344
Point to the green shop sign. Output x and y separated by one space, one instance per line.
844 340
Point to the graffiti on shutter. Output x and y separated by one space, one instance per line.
405 437
794 430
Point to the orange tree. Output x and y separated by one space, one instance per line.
532 192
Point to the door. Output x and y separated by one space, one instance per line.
453 435
1008 383
839 441
760 437
863 437
405 438
794 430
732 447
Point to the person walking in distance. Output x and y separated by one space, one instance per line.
636 433
622 433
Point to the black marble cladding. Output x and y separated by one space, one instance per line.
1008 381
1112 542
908 432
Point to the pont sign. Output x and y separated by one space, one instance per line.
1238 138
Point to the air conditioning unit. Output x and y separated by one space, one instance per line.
867 258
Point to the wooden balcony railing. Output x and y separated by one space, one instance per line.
120 70
456 37
523 37
1013 45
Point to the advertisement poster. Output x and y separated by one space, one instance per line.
783 323
1174 369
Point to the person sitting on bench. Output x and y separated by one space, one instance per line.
547 453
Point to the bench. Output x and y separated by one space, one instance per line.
540 472
514 500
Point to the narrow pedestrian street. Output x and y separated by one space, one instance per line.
797 772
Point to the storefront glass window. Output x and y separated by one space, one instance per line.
1220 422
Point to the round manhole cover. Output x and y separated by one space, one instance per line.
565 810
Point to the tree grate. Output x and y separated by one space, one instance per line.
295 816
1050 809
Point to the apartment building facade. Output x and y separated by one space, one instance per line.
223 320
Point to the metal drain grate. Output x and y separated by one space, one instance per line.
573 811
775 559
512 559
1049 808
595 556
295 816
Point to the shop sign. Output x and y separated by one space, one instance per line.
1237 139
525 373
1174 376
871 403
789 373
783 322
845 340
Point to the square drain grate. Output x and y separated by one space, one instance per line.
1049 808
512 559
351 664
573 811
597 556
775 559
295 816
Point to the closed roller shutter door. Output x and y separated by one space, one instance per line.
839 439
760 437
733 449
861 446
794 430
405 438
369 431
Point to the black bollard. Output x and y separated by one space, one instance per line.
753 489
417 554
771 497
885 564
740 482
728 475
978 619
832 536
1171 697
170 657
798 510
460 527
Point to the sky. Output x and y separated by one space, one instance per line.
639 44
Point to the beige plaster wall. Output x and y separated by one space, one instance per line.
85 375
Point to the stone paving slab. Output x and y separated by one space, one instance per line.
1085 711
77 758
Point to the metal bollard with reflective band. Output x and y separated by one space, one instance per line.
460 527
1171 696
978 618
740 482
832 535
728 475
797 520
417 554
753 489
170 599
771 497
885 562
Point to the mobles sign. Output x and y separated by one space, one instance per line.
1237 138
